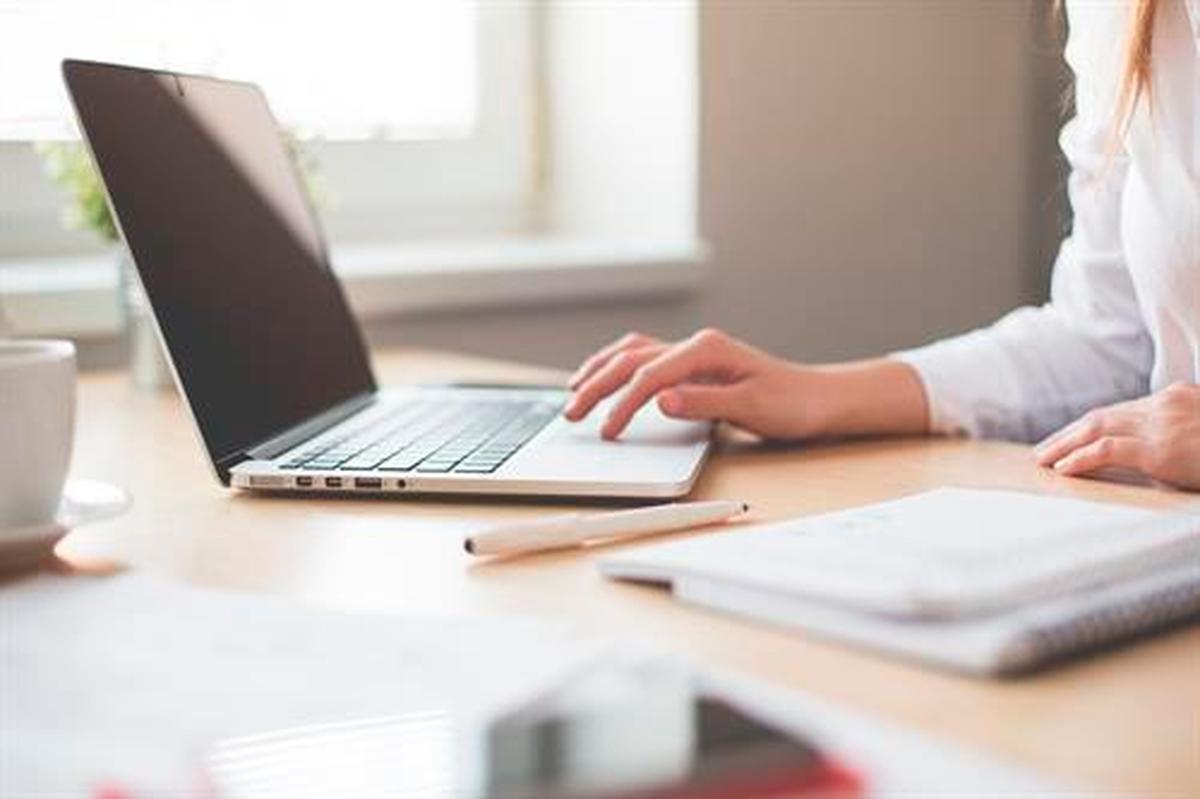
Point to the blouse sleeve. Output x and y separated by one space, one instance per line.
1039 368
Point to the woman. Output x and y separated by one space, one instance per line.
1106 371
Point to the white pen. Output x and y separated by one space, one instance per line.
573 529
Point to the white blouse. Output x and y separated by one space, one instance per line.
1124 312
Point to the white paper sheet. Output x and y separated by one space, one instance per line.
130 680
146 684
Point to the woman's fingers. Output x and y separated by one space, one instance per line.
1105 452
1084 431
699 355
597 361
615 372
645 367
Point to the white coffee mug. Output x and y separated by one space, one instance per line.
37 429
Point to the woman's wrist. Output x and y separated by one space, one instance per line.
873 397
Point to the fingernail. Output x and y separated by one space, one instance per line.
1062 465
670 402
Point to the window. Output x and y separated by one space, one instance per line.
472 152
419 112
371 70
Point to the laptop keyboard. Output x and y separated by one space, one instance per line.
472 437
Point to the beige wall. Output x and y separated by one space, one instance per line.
874 174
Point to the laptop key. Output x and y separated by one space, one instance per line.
478 468
360 463
479 458
445 457
402 462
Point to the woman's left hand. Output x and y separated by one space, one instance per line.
1158 435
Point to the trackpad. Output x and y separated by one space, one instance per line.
653 448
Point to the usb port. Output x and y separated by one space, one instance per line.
333 482
368 482
304 481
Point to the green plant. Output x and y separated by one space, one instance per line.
70 166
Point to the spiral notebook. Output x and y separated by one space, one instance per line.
987 582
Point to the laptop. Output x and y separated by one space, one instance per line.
264 348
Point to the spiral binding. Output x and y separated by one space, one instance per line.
1176 600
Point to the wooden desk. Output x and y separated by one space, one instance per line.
1128 722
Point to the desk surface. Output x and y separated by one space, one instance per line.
1128 722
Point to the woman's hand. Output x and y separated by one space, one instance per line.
707 376
713 376
1158 435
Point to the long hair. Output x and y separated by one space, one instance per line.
1135 68
1137 48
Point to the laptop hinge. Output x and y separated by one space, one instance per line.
225 465
312 426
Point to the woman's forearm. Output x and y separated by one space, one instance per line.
872 397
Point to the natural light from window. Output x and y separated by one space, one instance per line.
354 69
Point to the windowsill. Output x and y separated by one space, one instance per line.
76 296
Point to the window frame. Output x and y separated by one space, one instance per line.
480 184
610 212
484 184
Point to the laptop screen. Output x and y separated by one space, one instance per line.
228 249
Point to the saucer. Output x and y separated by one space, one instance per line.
83 502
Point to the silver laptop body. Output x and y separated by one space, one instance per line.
263 345
657 457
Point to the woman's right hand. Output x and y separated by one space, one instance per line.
710 376
713 376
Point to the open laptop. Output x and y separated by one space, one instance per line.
264 347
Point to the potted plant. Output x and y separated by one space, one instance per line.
85 208
70 165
